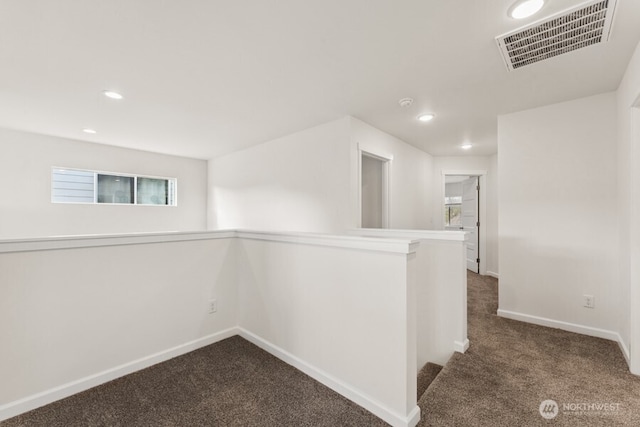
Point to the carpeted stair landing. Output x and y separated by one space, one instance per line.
426 376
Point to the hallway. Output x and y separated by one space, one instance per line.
511 367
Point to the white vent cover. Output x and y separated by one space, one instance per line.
581 26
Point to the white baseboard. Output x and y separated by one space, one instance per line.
492 274
461 347
624 349
571 327
29 403
335 384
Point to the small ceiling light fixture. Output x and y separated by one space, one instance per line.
466 146
111 94
405 102
426 117
87 130
525 8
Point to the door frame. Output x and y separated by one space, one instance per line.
386 183
482 210
634 239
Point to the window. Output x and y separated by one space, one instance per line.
155 191
452 210
115 189
82 186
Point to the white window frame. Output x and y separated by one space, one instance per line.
172 184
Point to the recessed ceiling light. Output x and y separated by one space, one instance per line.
111 94
426 117
87 130
525 8
466 146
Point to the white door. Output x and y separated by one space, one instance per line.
470 221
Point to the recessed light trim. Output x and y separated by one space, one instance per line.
90 131
111 94
466 146
426 117
525 8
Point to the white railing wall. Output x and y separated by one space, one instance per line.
79 311
441 291
345 316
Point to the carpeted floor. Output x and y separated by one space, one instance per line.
230 383
426 375
509 370
512 367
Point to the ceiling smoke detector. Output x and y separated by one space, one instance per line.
405 102
584 25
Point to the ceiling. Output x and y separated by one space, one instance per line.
202 78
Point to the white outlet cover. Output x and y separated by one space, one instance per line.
213 306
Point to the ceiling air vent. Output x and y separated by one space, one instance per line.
581 26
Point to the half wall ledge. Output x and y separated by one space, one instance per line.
400 245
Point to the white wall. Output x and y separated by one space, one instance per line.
471 163
629 207
453 189
558 228
308 181
441 291
493 213
78 311
295 183
346 317
410 177
72 318
26 209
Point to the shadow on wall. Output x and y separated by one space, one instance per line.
282 210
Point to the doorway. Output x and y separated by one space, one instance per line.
464 205
374 191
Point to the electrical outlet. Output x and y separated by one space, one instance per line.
213 306
589 301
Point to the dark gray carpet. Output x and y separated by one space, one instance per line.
230 383
426 375
512 367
